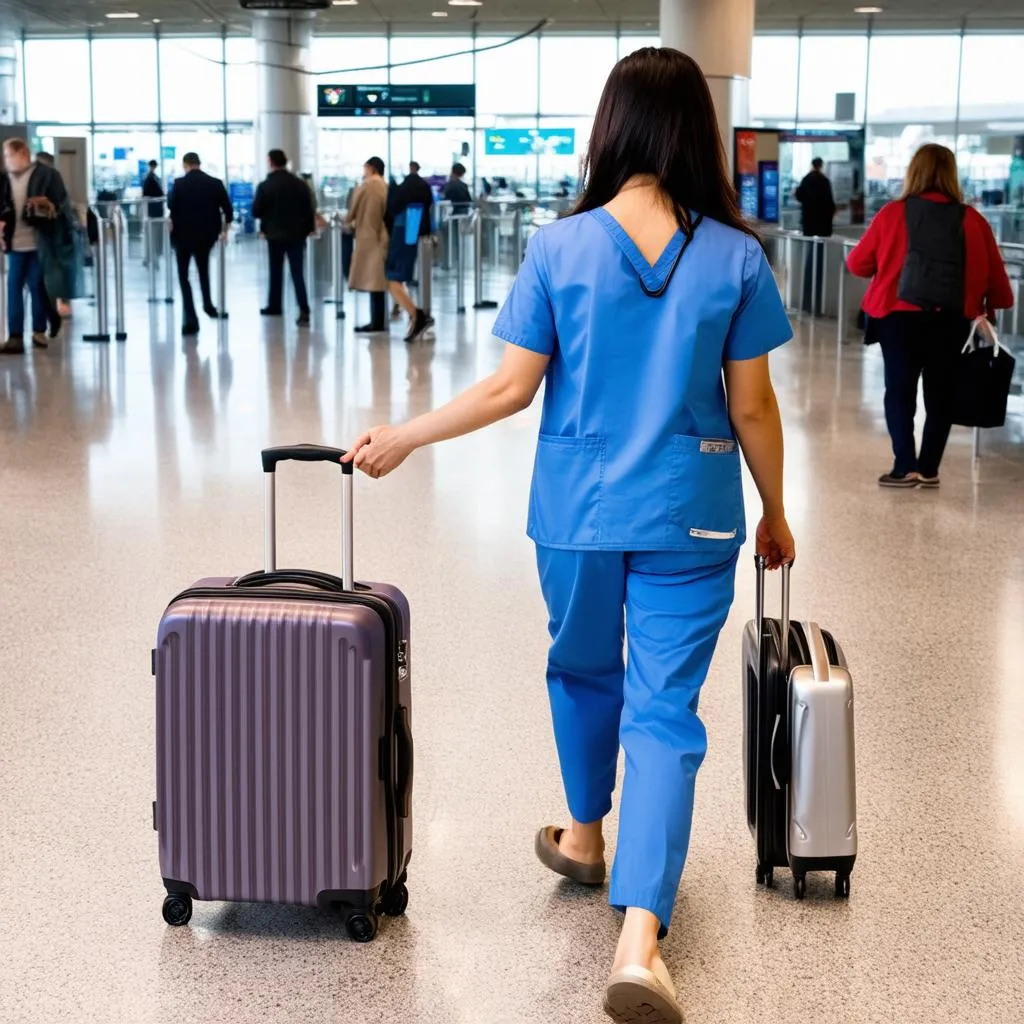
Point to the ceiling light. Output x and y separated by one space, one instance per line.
868 10
439 14
121 15
345 3
156 21
465 3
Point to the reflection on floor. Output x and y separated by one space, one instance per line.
128 470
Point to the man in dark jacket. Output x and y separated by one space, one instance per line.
33 201
413 198
817 209
152 188
286 208
456 191
196 205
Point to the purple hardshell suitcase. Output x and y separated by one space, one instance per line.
284 746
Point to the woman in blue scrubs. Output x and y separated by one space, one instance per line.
649 313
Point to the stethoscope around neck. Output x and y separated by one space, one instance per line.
658 292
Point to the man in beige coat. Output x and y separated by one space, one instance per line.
366 220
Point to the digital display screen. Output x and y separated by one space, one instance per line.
527 141
396 100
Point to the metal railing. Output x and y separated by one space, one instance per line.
99 269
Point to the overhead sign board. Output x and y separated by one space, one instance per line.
396 100
527 141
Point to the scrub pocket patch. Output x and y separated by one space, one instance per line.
708 493
565 500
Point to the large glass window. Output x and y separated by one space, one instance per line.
630 44
191 79
992 78
116 99
573 70
831 65
57 80
913 79
773 80
506 77
437 69
241 75
339 58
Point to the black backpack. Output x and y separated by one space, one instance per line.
935 267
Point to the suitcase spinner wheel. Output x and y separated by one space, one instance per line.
177 909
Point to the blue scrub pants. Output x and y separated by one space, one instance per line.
671 607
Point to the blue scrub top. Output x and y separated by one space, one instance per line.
636 451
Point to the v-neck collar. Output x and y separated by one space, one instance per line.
654 277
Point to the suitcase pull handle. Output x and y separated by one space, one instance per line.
307 453
760 564
403 780
303 453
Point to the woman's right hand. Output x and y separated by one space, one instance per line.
775 541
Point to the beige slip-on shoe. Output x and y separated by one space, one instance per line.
636 995
550 856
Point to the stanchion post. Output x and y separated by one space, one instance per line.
222 269
337 227
788 250
151 226
118 237
815 243
460 263
517 241
479 302
841 298
99 263
169 261
426 273
3 291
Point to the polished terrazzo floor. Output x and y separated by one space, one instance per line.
128 470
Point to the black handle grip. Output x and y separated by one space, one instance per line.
303 453
403 783
302 577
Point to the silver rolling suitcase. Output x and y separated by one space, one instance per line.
799 762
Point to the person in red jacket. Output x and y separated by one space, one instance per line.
935 266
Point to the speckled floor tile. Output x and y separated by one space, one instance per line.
128 470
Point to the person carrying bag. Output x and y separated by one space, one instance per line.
983 377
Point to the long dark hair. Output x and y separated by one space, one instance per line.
656 118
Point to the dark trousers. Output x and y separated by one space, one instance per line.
916 345
295 252
185 255
814 253
378 310
25 270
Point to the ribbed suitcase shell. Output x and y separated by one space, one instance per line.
270 723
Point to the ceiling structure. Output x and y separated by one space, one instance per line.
203 16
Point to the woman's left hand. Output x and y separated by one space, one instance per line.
379 451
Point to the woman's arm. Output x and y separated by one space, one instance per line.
510 389
863 258
754 412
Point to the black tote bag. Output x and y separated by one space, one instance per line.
982 382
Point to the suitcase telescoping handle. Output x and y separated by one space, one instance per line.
307 453
760 563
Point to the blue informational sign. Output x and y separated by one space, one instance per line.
527 141
241 194
768 204
748 196
168 152
120 153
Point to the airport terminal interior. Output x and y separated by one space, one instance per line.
129 468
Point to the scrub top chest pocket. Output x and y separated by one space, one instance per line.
707 490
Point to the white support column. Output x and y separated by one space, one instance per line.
718 35
286 115
9 72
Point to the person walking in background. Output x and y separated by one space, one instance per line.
34 208
366 214
286 207
650 313
200 211
817 211
456 191
153 189
935 267
409 209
